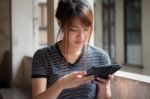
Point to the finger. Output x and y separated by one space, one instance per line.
111 77
88 78
102 80
97 82
81 72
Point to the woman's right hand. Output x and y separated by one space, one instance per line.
74 79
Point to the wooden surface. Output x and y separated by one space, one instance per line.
123 88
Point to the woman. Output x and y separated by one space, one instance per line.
59 71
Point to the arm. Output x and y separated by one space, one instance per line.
68 81
39 90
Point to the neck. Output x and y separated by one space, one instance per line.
70 50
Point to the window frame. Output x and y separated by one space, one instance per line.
110 5
139 29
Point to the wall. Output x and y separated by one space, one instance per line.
98 24
123 88
146 35
22 34
5 45
119 31
35 17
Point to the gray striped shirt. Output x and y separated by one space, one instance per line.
49 63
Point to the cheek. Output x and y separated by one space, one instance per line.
71 37
87 35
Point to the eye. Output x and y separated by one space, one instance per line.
86 29
73 29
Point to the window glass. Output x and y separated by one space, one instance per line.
133 32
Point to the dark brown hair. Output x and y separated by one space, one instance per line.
68 10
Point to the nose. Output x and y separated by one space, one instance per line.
81 35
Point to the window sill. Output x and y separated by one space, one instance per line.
133 76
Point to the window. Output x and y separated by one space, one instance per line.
43 23
42 16
40 22
133 44
108 12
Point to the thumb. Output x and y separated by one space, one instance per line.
80 74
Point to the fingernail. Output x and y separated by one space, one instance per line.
79 76
97 78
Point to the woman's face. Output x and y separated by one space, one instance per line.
78 33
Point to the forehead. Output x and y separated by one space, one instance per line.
76 22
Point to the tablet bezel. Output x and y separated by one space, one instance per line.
103 71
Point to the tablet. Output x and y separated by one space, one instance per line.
103 71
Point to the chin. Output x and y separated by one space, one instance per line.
79 46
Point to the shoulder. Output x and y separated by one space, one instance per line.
41 52
96 50
99 54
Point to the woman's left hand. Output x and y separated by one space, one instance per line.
104 85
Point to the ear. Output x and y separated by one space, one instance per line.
59 23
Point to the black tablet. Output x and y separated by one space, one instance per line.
104 70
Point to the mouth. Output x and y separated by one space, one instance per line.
79 42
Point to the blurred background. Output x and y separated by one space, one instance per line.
121 27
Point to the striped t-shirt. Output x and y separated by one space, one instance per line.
49 63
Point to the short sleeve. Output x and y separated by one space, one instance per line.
38 65
98 56
106 58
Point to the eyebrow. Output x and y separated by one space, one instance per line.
75 26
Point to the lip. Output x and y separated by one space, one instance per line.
79 42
